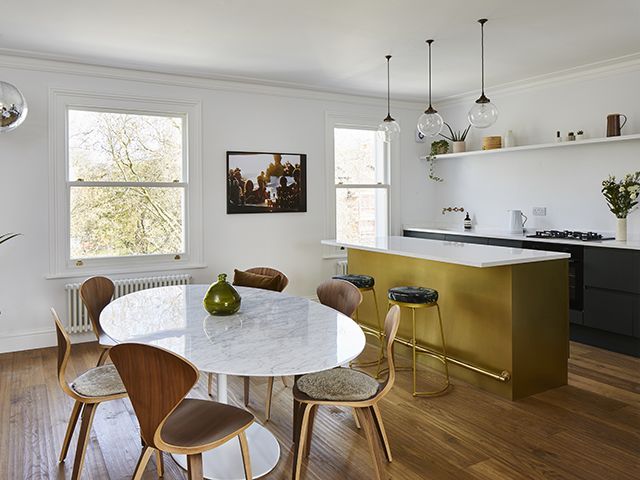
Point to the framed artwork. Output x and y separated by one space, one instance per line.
262 182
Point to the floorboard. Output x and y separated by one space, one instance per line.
589 429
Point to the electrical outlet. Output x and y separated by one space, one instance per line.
539 211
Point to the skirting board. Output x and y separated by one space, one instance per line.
18 341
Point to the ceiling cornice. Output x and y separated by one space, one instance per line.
56 64
627 63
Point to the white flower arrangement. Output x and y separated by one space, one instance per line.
622 196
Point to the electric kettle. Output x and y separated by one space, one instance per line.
517 219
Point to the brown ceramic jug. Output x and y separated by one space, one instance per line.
613 124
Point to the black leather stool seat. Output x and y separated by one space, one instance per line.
417 295
360 281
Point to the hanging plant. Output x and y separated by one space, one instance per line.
439 147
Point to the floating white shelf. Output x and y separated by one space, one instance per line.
588 141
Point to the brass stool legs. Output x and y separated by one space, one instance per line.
379 334
439 356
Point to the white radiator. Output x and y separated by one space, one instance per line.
342 267
77 314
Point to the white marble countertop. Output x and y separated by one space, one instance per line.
468 254
631 244
272 334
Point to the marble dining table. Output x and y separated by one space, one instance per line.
273 334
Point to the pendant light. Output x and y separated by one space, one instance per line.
388 130
430 122
13 107
483 114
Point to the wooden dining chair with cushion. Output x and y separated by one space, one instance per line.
265 278
345 387
97 385
96 293
339 295
157 382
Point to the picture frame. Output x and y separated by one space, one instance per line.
266 182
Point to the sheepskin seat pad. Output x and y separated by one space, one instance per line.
99 382
339 384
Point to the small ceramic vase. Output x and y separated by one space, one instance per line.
222 298
621 230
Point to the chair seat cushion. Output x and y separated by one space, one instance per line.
99 382
418 295
196 423
360 281
339 384
256 280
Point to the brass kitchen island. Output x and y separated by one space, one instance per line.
505 310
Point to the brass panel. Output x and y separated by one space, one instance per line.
481 308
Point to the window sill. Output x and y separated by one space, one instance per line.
137 269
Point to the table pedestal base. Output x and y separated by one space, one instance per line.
225 462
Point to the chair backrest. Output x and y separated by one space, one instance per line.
339 295
391 324
64 351
156 380
271 272
96 293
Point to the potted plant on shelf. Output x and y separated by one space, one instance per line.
457 138
622 198
439 147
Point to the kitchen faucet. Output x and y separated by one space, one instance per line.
452 209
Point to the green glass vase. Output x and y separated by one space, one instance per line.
222 298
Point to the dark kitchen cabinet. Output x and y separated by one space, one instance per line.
610 310
612 269
425 235
503 242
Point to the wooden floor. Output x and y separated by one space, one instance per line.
589 429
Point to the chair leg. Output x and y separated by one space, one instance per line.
103 357
269 396
380 334
246 460
143 460
210 384
159 463
302 440
246 391
73 421
355 418
444 345
382 433
413 350
88 411
194 467
312 417
366 419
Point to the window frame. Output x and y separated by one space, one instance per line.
356 122
61 263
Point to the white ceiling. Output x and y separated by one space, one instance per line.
335 45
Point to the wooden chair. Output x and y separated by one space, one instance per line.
284 281
97 385
366 409
339 295
96 293
157 381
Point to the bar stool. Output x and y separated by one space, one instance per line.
415 298
366 283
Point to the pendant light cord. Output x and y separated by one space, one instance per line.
482 21
388 57
429 42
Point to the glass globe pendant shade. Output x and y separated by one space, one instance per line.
13 107
389 130
430 123
483 113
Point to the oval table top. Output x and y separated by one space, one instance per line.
273 334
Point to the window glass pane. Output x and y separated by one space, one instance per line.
361 213
123 147
358 156
125 221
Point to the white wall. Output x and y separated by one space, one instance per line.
565 180
235 117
